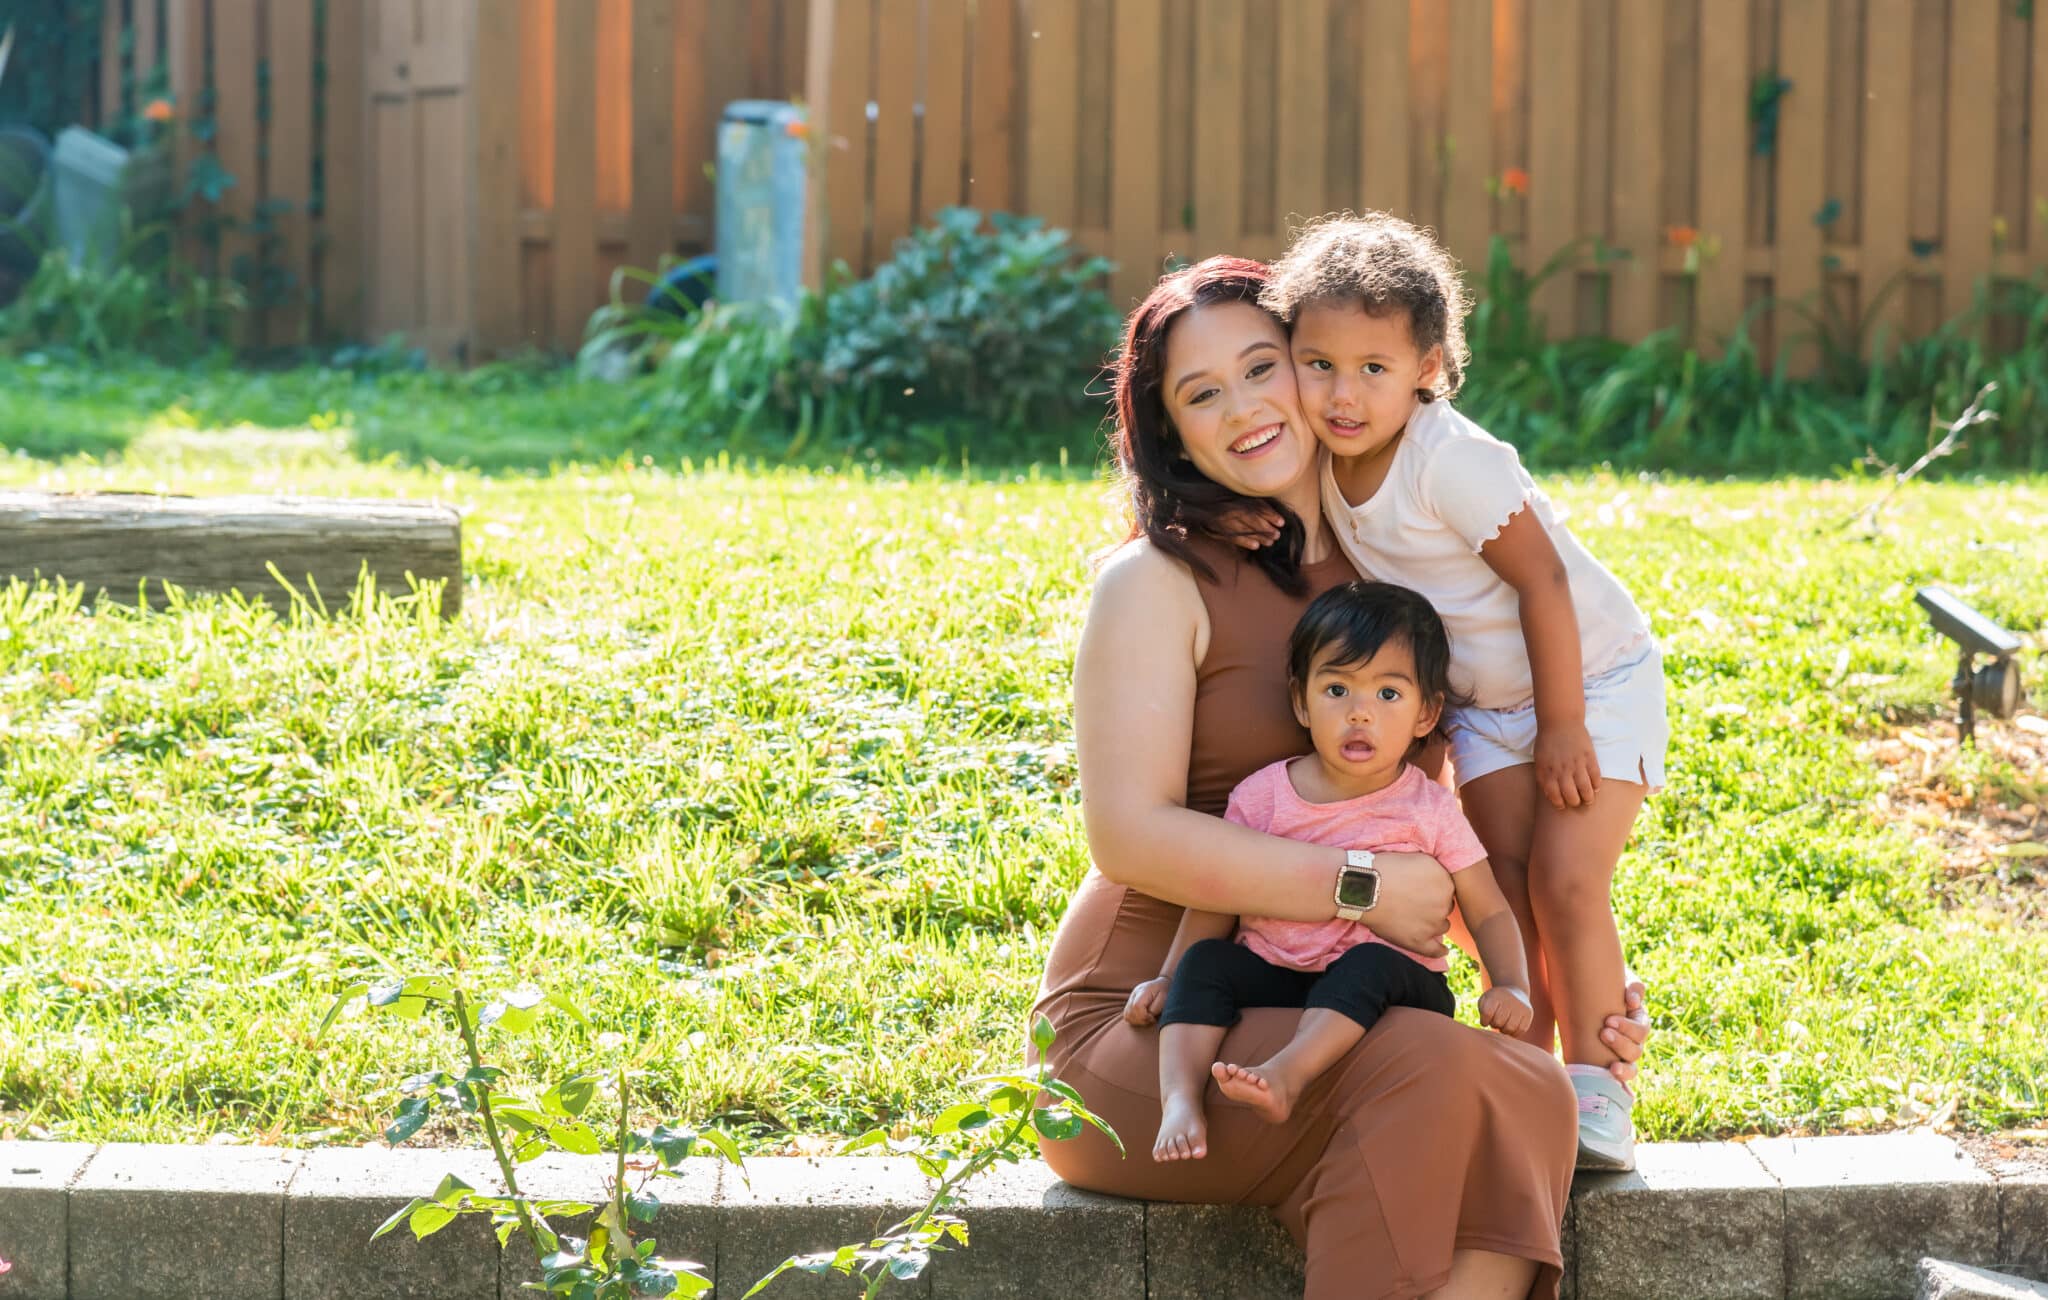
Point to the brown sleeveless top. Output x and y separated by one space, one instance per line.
1113 938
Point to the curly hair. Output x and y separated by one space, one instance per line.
1382 264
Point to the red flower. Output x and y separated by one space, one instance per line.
159 110
1515 181
1681 236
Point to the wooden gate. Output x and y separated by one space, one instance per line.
418 210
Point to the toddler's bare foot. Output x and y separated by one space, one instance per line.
1265 1090
1183 1130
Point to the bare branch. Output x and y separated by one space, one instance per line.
1951 443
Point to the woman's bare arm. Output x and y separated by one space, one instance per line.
1134 703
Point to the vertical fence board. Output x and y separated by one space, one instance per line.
148 38
1801 183
1257 145
2036 225
495 95
340 260
650 224
1219 123
1303 112
1638 163
238 140
2009 173
1091 117
895 124
289 177
575 229
1972 139
1177 134
1468 134
112 64
1596 130
1135 107
1723 186
1383 136
1556 46
1051 37
612 109
945 107
1428 64
185 32
537 106
1511 24
992 133
1882 256
846 167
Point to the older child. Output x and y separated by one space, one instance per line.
1562 731
1368 671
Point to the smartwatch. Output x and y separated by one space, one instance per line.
1358 885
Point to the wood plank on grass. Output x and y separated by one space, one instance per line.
115 542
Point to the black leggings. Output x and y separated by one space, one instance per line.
1219 977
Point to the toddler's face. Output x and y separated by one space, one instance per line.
1358 373
1364 717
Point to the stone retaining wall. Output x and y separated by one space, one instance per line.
1773 1219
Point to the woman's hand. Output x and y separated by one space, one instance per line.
1414 907
1625 1034
1147 1001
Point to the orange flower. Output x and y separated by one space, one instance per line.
1681 236
159 110
1515 181
797 129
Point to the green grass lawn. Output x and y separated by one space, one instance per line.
776 767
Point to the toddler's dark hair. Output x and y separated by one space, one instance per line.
1358 618
1384 265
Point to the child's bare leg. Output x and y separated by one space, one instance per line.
1571 869
1271 1088
1502 809
1185 1053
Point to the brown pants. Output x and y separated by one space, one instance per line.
1429 1137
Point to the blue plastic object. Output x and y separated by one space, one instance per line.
686 287
761 182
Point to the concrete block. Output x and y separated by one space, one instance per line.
1941 1280
1699 1220
685 1227
35 1178
1860 1212
2023 1223
1032 1237
794 1205
341 1195
180 1223
1233 1250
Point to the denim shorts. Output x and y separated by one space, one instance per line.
1624 715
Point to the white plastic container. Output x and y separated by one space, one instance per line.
96 184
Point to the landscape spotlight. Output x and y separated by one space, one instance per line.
1994 687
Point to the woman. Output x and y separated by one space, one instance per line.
1435 1158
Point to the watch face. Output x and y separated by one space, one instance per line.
1359 889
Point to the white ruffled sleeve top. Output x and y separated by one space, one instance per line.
1451 489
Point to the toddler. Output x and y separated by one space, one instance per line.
1559 734
1368 669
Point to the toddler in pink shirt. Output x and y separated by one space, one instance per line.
1368 667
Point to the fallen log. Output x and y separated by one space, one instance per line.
113 543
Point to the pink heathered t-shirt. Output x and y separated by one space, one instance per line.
1412 815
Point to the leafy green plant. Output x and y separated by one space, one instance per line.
609 1262
993 325
140 304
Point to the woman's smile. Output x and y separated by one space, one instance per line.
1258 439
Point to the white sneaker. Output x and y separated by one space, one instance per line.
1607 1137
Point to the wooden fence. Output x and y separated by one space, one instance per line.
1732 149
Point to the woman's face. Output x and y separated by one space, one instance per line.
1229 390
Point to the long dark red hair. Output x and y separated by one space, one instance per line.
1173 504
